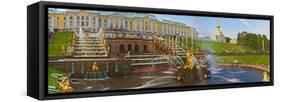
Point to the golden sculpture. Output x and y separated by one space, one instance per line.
266 77
189 58
64 85
95 67
184 73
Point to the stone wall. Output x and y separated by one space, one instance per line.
135 45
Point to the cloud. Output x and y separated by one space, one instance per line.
246 23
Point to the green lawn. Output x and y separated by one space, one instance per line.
219 47
249 59
60 38
52 81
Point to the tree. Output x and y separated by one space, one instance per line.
253 40
227 39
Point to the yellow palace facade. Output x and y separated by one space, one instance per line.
91 21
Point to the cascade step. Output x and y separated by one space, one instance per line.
133 56
90 51
87 45
92 43
90 48
152 63
140 59
87 37
90 56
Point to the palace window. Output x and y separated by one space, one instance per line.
58 24
71 23
121 23
70 17
78 23
87 17
142 25
146 28
77 17
82 17
126 24
93 18
138 25
82 23
100 20
93 24
110 23
116 23
105 23
87 23
131 25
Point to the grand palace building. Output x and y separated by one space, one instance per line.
91 21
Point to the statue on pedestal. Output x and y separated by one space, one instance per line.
266 77
189 58
95 67
64 85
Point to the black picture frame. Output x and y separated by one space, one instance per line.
37 49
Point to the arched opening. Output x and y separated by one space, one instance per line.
136 48
121 48
129 47
144 48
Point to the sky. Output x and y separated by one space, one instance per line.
230 27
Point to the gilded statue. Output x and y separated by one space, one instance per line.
95 67
64 85
189 58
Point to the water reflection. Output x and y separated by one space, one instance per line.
166 78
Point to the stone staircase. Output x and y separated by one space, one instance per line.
89 47
157 59
147 60
180 51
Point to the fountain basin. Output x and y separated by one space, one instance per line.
235 75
